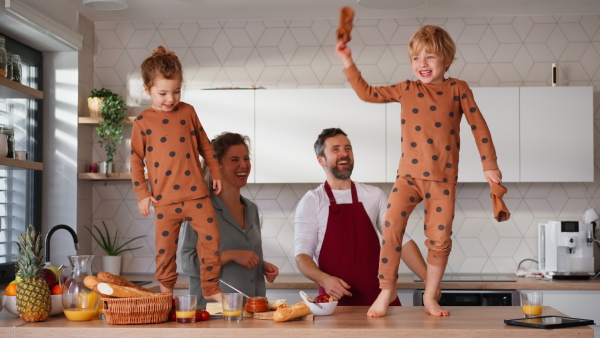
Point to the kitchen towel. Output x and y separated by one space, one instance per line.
346 17
501 212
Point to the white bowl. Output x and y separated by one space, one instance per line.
10 304
326 310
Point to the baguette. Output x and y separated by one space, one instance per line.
92 283
107 277
114 290
283 314
273 305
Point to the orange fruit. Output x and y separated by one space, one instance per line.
56 290
11 290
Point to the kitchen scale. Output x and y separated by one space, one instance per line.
472 278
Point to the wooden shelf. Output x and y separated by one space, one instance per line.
14 90
11 163
94 120
103 177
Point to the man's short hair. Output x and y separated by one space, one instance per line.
324 135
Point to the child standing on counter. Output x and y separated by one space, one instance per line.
170 137
432 108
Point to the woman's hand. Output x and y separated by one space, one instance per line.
144 205
245 258
270 271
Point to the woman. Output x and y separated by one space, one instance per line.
239 226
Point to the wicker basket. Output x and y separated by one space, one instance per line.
137 310
94 105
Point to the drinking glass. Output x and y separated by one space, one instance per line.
232 306
531 304
185 308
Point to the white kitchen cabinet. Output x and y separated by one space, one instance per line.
557 134
229 110
289 121
500 108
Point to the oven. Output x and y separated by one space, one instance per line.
473 298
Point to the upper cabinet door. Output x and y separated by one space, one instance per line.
229 110
557 142
500 108
289 121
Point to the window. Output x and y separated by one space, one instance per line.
20 190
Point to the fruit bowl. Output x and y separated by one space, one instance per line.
326 310
10 304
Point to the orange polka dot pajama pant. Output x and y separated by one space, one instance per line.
439 199
200 215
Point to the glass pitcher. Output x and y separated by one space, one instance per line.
79 302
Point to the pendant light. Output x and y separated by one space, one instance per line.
105 5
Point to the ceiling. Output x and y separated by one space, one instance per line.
186 10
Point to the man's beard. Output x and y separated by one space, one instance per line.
343 174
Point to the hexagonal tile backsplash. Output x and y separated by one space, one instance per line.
492 51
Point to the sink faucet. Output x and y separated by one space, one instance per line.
49 236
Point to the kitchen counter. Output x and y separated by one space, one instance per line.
406 283
345 321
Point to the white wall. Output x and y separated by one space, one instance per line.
492 52
59 181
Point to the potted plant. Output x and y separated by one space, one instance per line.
110 127
112 261
95 100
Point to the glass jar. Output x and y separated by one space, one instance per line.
15 61
256 304
79 302
3 58
9 67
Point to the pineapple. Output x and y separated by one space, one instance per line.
33 296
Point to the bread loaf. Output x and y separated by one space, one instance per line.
107 277
114 290
92 283
274 304
283 314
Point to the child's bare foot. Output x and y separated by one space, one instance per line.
379 307
433 308
217 297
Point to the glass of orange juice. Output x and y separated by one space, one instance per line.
531 303
232 306
185 308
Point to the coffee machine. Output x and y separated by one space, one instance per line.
565 250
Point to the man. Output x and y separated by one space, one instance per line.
339 225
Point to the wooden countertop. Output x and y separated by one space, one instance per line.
347 321
406 283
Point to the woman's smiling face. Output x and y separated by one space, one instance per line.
235 166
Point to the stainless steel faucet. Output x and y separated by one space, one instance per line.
49 236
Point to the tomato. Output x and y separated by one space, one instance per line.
173 316
323 298
205 315
198 315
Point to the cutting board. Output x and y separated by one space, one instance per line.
269 315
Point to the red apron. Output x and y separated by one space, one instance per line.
350 250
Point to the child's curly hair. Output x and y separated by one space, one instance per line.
433 39
163 63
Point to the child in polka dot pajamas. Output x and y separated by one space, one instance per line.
171 138
432 108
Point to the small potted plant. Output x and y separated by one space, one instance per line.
110 127
112 261
95 101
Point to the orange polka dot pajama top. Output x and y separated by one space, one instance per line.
171 143
428 170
